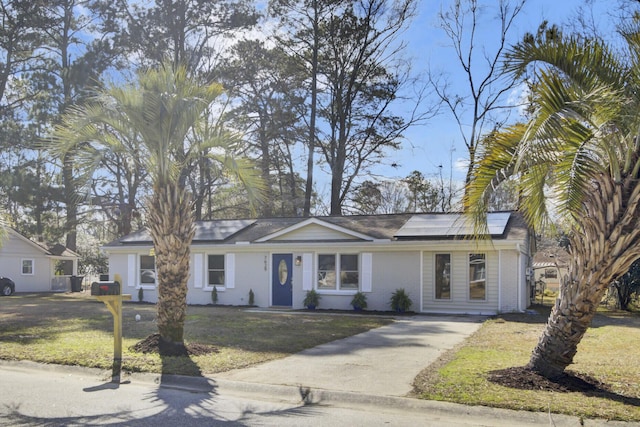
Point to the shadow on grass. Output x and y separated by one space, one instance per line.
535 314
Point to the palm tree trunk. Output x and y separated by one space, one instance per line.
172 229
602 249
567 324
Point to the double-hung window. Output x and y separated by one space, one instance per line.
27 267
477 277
338 272
147 270
215 270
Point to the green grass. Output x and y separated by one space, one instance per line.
608 353
75 329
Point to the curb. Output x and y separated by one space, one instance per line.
303 395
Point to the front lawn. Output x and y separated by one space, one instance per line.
76 329
608 355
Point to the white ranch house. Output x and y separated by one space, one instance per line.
280 259
35 267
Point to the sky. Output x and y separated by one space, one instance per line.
438 141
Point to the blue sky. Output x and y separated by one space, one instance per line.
431 145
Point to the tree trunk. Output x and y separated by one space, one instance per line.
602 249
308 191
567 324
172 229
71 199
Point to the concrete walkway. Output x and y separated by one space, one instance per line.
380 362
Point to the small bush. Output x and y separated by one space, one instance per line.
359 301
214 295
252 297
312 299
400 301
140 294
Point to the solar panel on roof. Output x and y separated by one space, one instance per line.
442 225
220 230
205 231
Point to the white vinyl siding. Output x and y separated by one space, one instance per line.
512 273
307 272
131 270
367 272
198 270
230 271
315 232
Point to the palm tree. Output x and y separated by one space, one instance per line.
165 109
580 153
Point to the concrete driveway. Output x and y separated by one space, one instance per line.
382 361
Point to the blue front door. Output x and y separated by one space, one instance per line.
281 289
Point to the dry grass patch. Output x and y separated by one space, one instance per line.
607 354
76 329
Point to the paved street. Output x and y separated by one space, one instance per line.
38 395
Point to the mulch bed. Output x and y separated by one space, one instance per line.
526 379
153 344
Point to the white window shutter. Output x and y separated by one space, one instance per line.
132 277
230 271
198 269
307 272
367 273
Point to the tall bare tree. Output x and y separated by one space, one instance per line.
480 107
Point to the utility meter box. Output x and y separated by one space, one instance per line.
105 288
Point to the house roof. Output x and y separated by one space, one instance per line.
206 231
502 225
56 250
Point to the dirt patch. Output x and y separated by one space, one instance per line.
526 379
153 344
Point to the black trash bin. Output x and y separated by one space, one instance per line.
76 283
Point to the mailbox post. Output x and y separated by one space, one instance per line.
109 294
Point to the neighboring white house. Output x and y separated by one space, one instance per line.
34 267
431 256
550 271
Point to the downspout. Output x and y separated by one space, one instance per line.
500 281
421 281
519 248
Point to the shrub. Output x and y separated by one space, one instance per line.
400 301
214 295
312 299
359 301
252 297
